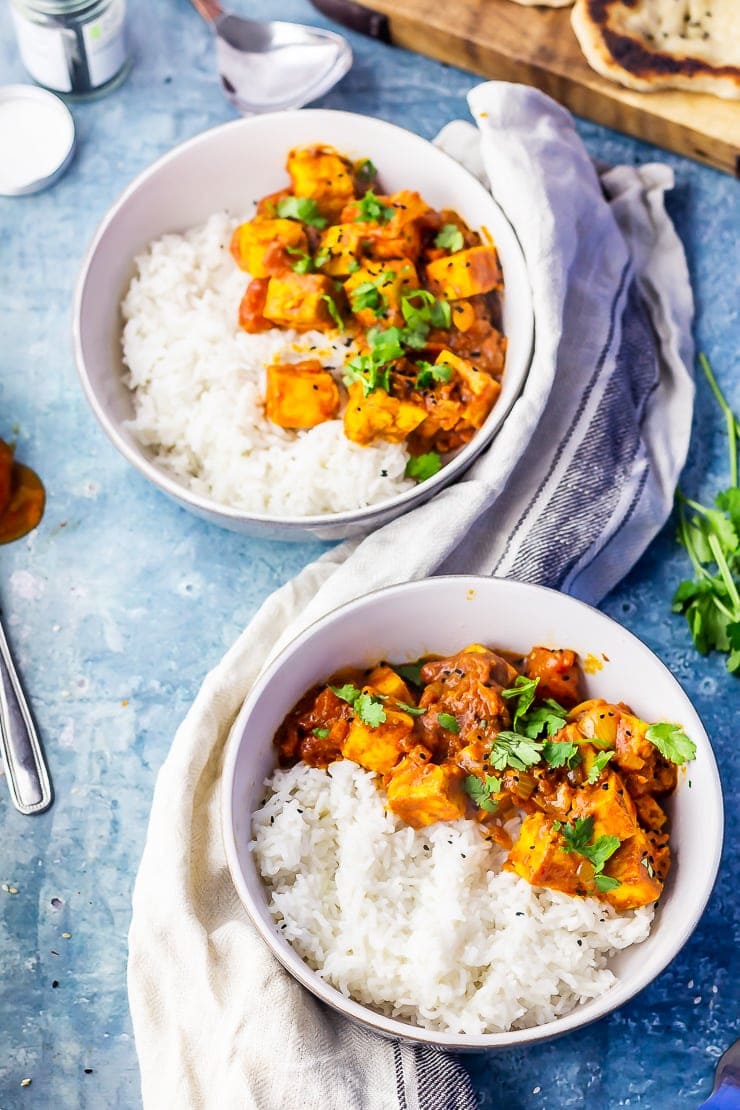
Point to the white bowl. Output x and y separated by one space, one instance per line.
442 615
227 168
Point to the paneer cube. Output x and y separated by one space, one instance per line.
379 748
299 301
478 390
259 246
465 273
252 307
379 416
610 806
631 865
375 290
300 394
422 793
538 856
341 242
323 175
384 680
401 236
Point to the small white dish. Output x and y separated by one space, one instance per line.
37 139
227 168
441 616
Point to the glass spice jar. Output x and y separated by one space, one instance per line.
77 47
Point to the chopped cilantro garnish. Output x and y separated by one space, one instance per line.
565 754
370 710
353 266
372 210
449 722
422 311
385 344
369 371
333 311
413 710
348 692
672 742
523 690
577 838
598 766
605 882
450 238
365 172
368 295
481 790
301 208
428 374
512 749
422 467
409 672
322 733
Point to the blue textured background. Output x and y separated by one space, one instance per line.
120 602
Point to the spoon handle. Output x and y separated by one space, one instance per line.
25 768
209 9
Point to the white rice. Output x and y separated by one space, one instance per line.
198 381
423 924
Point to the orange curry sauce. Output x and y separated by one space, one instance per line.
492 737
22 497
413 291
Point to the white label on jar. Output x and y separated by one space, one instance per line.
105 43
43 52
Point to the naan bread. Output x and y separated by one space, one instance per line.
659 44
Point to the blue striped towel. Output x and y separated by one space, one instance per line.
570 493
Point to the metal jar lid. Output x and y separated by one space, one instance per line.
37 139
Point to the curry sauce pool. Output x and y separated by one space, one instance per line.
464 871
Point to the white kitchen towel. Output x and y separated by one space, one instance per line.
569 494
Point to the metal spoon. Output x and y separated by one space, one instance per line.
268 66
25 768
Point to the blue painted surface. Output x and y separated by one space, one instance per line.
120 602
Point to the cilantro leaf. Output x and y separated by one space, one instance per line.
577 838
301 208
348 692
512 749
372 210
365 172
422 467
367 295
450 238
449 722
565 754
333 311
322 733
409 672
672 742
369 710
577 835
371 373
385 343
548 717
602 850
605 882
430 373
413 710
481 790
524 690
598 766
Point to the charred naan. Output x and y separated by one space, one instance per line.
659 44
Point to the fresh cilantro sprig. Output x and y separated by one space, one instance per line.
368 294
301 208
565 754
304 263
534 720
711 600
421 467
367 707
331 304
370 209
410 672
512 749
480 790
428 373
450 238
672 742
449 722
412 710
598 765
577 838
322 733
365 173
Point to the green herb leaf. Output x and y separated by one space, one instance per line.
353 266
322 733
409 672
366 370
422 467
563 754
548 717
450 238
598 766
367 295
512 749
333 311
602 850
429 373
524 690
413 710
301 208
385 344
481 790
605 882
372 210
577 835
365 173
449 722
672 742
370 710
348 693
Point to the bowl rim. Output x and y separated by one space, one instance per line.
616 996
206 505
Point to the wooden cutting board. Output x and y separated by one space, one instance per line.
502 39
